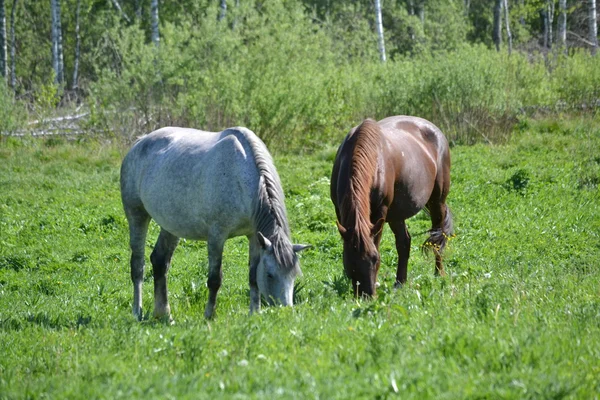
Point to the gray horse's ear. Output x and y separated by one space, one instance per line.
264 242
299 247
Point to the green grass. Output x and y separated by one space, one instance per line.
517 317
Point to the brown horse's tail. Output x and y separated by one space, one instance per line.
439 237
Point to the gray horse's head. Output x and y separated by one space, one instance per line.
277 269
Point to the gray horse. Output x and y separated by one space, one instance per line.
208 186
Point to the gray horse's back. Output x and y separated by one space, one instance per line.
193 183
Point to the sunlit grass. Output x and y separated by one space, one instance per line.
517 317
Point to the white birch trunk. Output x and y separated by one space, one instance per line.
550 14
223 11
593 26
508 33
379 25
55 62
3 52
562 25
77 47
118 7
154 20
61 62
13 70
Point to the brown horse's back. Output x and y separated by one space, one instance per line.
419 161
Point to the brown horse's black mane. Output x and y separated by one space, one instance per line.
356 206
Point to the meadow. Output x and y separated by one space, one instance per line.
517 317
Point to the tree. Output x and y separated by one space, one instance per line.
562 24
154 19
549 21
3 54
77 47
57 47
508 33
13 69
497 30
223 12
379 25
593 26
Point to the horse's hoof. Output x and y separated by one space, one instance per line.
398 285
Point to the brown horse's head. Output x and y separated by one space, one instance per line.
361 257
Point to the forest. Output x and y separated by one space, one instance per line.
297 72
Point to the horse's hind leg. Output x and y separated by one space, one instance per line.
161 261
402 248
215 273
441 227
138 220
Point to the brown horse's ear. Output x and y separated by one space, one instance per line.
343 231
376 229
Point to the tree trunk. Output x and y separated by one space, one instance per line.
379 25
154 18
550 16
118 7
138 10
77 47
223 12
55 62
562 24
593 26
61 59
3 53
508 33
13 62
497 28
544 17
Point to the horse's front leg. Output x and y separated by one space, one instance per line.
402 248
215 273
161 261
254 259
138 227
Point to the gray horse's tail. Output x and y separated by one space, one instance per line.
439 237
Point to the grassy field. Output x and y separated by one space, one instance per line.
517 317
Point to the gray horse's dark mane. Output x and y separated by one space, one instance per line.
270 215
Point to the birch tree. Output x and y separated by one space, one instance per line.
57 57
120 9
379 25
508 32
562 24
13 62
154 22
593 26
3 53
550 21
223 11
77 47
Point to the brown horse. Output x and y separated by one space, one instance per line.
387 171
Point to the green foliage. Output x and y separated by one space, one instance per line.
517 311
299 73
12 112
